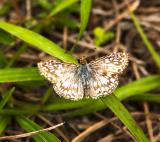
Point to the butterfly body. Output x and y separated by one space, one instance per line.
84 73
95 79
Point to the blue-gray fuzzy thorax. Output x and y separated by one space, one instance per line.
84 72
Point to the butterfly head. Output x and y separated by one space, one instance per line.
83 60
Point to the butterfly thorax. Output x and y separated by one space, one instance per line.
84 73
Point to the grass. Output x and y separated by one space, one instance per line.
146 41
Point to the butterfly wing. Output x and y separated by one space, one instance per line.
101 85
63 76
70 87
105 73
112 64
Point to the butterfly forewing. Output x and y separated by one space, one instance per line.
63 76
112 64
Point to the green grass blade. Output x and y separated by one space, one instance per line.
30 126
46 95
155 98
16 55
4 121
85 13
5 8
63 5
6 38
19 74
63 104
16 111
38 41
7 96
45 4
85 106
137 87
146 41
121 112
3 60
131 89
86 109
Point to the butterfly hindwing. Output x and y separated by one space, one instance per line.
102 85
69 86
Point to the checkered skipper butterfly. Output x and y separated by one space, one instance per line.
95 79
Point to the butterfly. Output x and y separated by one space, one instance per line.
90 80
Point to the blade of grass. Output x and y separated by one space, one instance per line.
88 108
155 98
146 41
63 104
4 121
30 126
3 60
7 96
45 4
17 111
63 5
85 13
137 87
87 105
53 104
38 41
131 89
5 8
46 95
19 74
6 38
16 55
121 112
